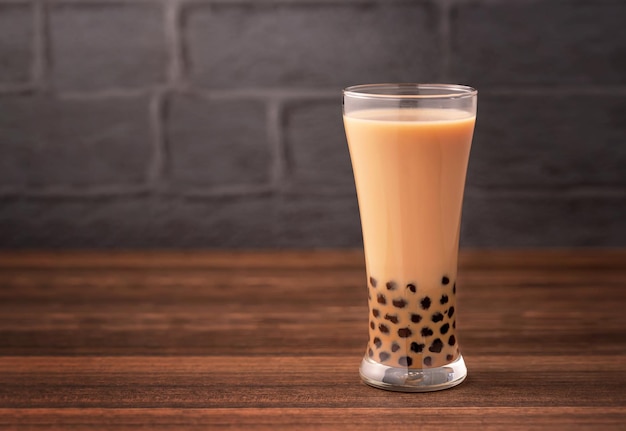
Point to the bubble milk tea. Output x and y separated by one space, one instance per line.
409 166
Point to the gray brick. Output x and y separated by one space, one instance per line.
542 221
282 45
73 142
306 221
539 42
99 46
217 143
549 141
134 222
16 42
317 146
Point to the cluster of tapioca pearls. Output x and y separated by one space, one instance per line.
410 329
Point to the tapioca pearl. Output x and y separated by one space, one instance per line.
372 324
393 318
375 312
381 299
391 285
445 280
373 282
370 352
405 361
377 342
383 356
444 299
426 331
416 318
395 347
383 328
399 303
425 303
454 288
436 346
412 287
451 311
404 332
428 361
444 329
437 317
449 357
452 340
454 324
417 347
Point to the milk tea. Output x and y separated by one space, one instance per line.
409 166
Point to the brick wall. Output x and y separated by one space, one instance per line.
197 123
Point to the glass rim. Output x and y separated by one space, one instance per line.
394 91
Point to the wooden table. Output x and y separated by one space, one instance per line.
272 340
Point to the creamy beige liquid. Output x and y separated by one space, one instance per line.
410 167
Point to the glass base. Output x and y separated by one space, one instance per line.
412 380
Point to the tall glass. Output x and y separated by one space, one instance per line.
409 145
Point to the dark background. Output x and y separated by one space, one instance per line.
218 123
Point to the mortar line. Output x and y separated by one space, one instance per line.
261 2
124 191
552 90
553 192
276 142
63 192
173 40
235 190
157 168
214 2
280 94
322 94
16 2
294 2
109 93
17 89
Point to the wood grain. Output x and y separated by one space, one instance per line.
272 340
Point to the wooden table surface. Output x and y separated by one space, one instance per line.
273 340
